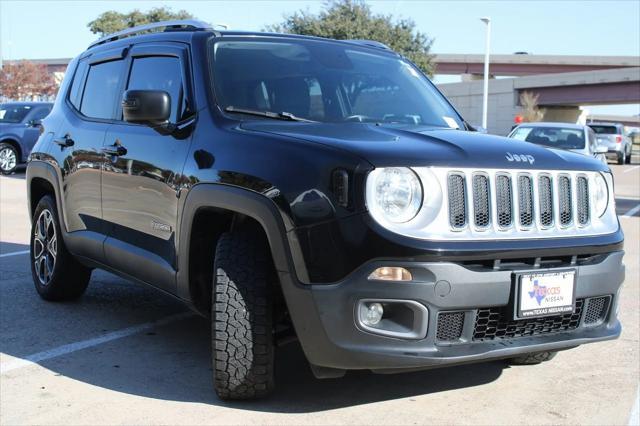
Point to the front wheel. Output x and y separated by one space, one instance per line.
8 158
57 275
241 317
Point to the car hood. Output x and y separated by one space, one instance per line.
414 146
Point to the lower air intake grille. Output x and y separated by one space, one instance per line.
597 309
583 200
450 326
457 202
498 323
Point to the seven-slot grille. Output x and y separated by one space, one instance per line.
517 200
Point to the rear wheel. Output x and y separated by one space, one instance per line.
622 158
8 158
57 275
533 359
242 329
628 160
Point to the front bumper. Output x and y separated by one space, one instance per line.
325 316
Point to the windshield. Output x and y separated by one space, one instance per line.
604 130
556 137
325 81
13 113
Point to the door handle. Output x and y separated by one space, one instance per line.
64 141
115 150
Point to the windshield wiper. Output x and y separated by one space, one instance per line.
287 116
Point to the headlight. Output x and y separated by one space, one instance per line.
600 195
397 194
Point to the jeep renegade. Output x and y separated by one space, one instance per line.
295 187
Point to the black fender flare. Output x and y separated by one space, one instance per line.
286 253
37 169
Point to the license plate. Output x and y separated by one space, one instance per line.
546 293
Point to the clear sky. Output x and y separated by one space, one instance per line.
57 29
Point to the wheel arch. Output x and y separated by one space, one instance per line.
42 179
209 203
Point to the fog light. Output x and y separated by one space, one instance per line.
391 273
373 314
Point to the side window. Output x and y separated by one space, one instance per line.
75 94
40 113
160 73
101 90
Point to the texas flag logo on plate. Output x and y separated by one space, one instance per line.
544 294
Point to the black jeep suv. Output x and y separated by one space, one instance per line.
289 186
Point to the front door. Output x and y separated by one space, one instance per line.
143 172
79 139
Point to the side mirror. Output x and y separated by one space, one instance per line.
601 149
34 123
146 106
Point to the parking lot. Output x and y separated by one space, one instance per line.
127 354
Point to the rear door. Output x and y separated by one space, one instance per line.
141 185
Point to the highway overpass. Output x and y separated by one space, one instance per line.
520 65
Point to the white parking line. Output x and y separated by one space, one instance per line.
33 359
631 212
630 169
634 418
15 253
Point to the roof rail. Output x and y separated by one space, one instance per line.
370 43
167 25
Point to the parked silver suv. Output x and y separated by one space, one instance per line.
612 136
572 137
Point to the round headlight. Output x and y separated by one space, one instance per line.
600 195
398 194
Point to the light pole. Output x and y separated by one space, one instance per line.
485 94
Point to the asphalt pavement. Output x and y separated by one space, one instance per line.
128 354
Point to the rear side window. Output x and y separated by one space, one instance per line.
101 90
604 130
40 113
160 73
75 94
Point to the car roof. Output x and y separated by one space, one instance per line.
185 35
553 124
604 124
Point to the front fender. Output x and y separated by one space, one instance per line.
286 253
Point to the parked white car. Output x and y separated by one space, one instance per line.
571 137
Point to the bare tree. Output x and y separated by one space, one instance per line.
25 80
530 111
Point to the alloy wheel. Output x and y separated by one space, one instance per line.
45 247
8 159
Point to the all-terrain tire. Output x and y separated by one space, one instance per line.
242 329
532 359
57 275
